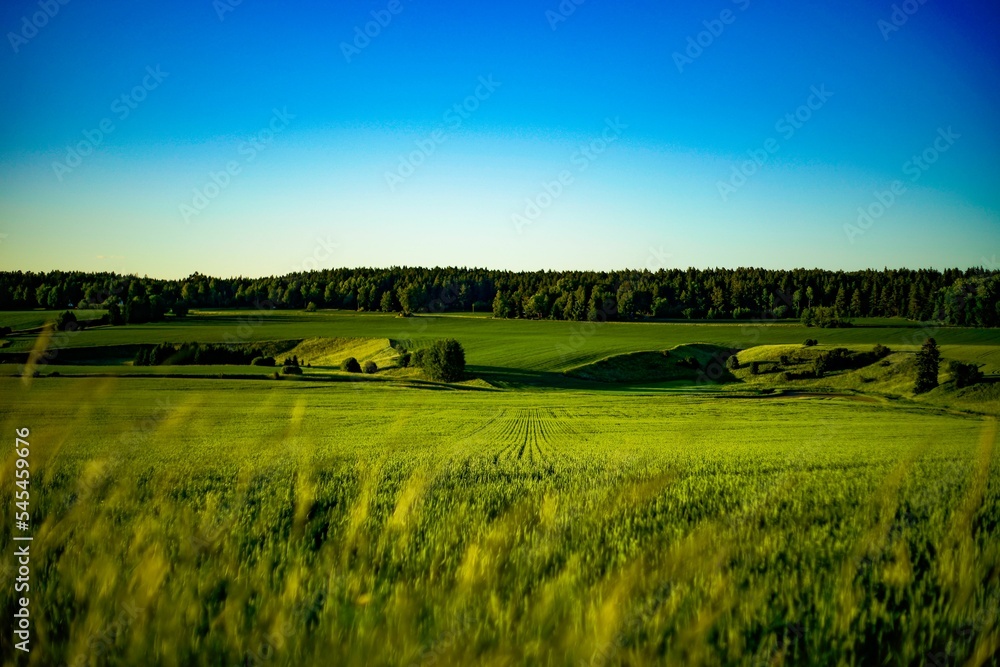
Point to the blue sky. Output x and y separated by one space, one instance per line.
258 138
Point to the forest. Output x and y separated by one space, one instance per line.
970 297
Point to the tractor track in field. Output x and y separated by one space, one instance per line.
536 436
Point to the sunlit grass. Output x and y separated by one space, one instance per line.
227 522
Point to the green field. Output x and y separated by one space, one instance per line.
519 344
525 516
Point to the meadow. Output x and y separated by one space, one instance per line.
528 518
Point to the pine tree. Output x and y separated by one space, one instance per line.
856 304
840 302
928 359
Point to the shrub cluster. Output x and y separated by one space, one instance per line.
444 360
965 375
840 358
199 354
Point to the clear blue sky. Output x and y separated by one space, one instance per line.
315 133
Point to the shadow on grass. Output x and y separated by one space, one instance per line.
517 378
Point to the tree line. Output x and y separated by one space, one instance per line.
970 297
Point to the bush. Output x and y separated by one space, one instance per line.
418 358
311 308
350 365
180 309
733 363
754 368
810 342
262 361
785 361
885 362
405 359
444 360
965 375
370 368
66 321
291 370
880 351
786 377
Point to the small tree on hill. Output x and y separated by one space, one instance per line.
350 365
732 363
444 360
370 368
928 359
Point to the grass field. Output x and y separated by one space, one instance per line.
393 521
540 346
